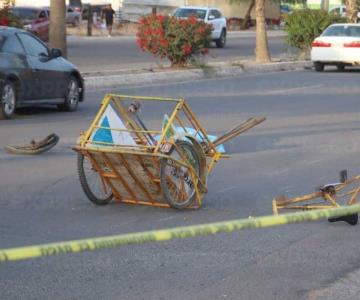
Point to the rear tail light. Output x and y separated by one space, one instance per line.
320 44
352 45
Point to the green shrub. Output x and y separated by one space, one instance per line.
303 26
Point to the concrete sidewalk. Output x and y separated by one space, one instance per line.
140 68
103 54
143 76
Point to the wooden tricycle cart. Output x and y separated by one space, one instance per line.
121 157
333 195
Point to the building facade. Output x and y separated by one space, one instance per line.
316 4
39 3
132 9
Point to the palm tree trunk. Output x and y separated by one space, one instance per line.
351 11
262 50
57 35
247 18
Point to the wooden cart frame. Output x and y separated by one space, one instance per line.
334 195
134 172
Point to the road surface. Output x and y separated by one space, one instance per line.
312 131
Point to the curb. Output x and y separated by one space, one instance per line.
212 71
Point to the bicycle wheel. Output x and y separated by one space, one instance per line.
175 180
94 187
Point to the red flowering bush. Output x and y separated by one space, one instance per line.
175 39
7 18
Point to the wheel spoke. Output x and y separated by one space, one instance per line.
8 99
176 179
95 181
73 92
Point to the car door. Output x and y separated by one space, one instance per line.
49 78
215 21
13 62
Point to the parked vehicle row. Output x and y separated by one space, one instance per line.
37 20
32 74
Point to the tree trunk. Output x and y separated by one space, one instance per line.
351 11
57 36
325 5
262 50
247 18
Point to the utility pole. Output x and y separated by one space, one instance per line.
57 36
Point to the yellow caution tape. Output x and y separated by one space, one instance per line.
113 241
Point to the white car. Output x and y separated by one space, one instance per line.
338 45
341 11
208 15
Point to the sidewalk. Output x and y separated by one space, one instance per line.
117 61
141 76
94 54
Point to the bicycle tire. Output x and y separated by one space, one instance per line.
174 199
86 186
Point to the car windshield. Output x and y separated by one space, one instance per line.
75 3
187 12
346 30
285 8
24 13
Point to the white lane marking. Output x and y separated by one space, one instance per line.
300 88
228 189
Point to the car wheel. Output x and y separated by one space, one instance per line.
8 100
340 67
72 95
319 67
220 43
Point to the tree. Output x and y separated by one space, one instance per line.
247 17
262 53
57 37
351 11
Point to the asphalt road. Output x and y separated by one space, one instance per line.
311 133
107 54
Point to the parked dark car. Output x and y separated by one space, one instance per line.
32 74
35 19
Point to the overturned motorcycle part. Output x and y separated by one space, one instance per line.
35 147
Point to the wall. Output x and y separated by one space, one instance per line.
238 10
132 10
315 4
116 4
